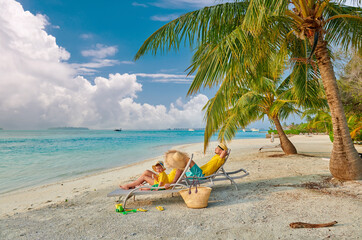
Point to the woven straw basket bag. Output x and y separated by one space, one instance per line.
196 197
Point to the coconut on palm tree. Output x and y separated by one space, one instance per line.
317 25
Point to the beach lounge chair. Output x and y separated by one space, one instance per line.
182 182
270 146
219 175
152 190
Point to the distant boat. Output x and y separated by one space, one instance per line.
246 130
191 129
255 130
118 129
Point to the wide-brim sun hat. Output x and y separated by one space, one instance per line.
176 159
223 146
160 163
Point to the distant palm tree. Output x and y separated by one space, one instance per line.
245 104
293 26
321 120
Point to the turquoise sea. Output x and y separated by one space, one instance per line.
31 158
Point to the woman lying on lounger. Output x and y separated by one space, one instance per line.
221 151
160 178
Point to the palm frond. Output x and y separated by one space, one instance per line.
259 11
344 26
195 27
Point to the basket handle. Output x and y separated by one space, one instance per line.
195 182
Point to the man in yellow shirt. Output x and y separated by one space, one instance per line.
211 166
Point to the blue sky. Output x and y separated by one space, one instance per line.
123 25
70 63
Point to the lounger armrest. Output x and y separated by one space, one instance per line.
218 174
157 188
237 171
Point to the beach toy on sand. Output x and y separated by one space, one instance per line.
119 208
125 212
159 208
141 210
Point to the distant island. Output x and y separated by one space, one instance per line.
69 128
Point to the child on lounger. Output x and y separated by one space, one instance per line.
156 180
161 179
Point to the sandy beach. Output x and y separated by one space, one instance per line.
279 190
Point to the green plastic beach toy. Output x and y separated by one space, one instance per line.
119 208
125 212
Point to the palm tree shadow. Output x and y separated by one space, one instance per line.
224 195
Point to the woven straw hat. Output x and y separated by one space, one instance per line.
176 159
160 163
223 146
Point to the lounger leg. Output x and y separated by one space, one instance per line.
231 180
124 203
126 198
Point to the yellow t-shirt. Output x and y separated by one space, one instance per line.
171 175
211 166
162 177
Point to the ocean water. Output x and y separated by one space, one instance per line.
31 158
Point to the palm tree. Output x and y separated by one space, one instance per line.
242 100
247 103
321 24
314 24
321 120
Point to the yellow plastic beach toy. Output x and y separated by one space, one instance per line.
141 210
159 208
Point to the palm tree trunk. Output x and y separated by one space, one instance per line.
345 163
285 143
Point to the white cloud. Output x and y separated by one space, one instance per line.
164 18
158 117
86 36
167 78
100 51
136 4
90 67
127 62
39 90
173 80
180 4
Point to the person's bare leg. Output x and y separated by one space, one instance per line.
138 182
192 163
146 176
148 173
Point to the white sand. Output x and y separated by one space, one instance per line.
279 190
